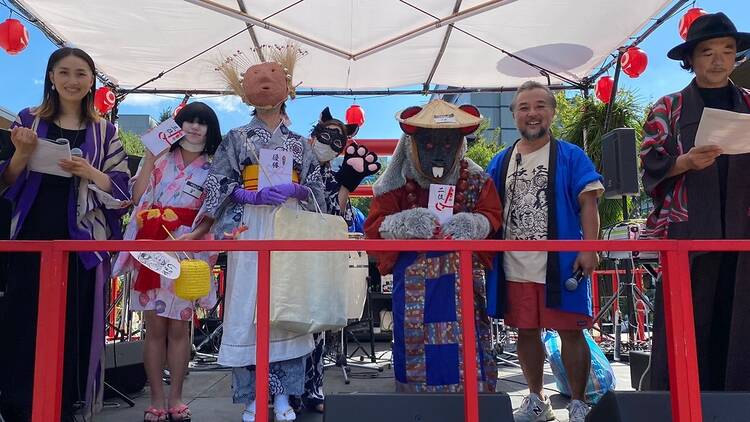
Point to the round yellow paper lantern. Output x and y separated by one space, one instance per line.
194 281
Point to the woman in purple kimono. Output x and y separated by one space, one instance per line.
85 204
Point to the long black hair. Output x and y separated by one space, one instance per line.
205 115
50 108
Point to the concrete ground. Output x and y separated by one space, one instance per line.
208 392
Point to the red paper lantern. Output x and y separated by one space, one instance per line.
104 100
13 36
688 18
355 115
634 62
603 89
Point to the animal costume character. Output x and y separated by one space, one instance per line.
427 332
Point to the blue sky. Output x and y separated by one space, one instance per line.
23 77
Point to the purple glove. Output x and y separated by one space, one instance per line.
266 196
292 190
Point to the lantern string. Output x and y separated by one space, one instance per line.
173 238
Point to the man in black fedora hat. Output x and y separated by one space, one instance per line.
701 193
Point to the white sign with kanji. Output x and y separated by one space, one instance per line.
162 137
441 201
276 168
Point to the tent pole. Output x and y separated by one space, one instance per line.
611 103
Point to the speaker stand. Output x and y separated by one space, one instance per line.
629 290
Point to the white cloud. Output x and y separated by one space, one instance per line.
226 103
148 99
38 81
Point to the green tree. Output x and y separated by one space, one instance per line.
485 146
165 114
132 143
578 115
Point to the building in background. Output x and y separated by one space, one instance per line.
6 117
136 123
494 106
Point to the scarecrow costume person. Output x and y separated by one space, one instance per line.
241 210
427 333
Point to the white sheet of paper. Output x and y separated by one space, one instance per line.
159 262
46 157
727 129
276 166
441 201
162 136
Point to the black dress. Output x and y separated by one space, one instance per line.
47 219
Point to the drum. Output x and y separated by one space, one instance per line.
357 281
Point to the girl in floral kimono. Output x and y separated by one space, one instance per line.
241 209
86 206
171 183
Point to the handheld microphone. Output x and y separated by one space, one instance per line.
572 283
76 152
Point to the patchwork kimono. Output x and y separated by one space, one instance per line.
427 334
239 149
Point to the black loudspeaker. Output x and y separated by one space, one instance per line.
619 166
413 407
123 367
640 378
656 406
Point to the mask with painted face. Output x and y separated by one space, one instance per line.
437 133
437 152
265 85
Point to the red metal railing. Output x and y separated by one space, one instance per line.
683 368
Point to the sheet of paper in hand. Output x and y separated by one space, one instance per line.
441 201
727 129
47 155
276 168
162 136
159 262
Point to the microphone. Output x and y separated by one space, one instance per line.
76 152
512 193
572 283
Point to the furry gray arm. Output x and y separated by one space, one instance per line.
467 226
416 223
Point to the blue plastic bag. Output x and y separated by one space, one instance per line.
601 378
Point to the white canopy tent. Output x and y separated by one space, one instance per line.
352 44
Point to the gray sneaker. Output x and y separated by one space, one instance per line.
577 411
534 409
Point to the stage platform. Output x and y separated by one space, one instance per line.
208 392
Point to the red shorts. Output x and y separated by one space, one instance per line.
525 308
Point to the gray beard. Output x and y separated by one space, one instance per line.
534 136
